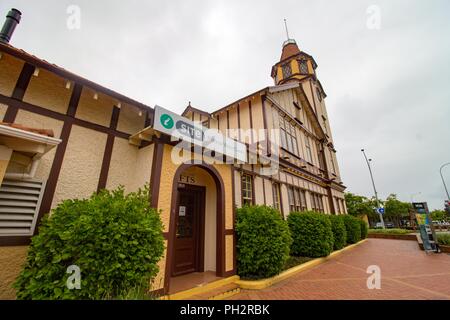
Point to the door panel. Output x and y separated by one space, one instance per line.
187 246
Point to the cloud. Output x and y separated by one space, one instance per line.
387 89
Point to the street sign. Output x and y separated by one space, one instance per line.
184 129
380 210
426 229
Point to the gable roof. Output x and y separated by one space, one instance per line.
43 64
190 108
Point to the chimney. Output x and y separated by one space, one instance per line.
12 20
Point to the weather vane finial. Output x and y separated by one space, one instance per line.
287 31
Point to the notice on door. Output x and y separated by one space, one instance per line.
182 211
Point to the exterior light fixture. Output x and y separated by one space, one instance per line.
68 84
96 96
36 72
119 105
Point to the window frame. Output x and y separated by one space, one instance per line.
288 136
276 194
247 196
297 199
303 63
286 70
308 149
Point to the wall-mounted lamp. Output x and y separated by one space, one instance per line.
96 96
68 84
140 113
119 105
36 72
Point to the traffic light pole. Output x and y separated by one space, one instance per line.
374 189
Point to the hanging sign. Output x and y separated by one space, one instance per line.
177 126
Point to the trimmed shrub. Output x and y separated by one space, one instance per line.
353 228
390 231
443 238
311 234
339 232
263 242
364 229
115 240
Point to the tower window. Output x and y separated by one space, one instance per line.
287 71
303 66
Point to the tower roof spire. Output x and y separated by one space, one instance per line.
290 47
287 31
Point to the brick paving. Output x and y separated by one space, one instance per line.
407 273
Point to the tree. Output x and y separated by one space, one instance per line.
396 209
438 215
358 205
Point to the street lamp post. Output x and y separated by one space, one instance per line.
443 181
374 189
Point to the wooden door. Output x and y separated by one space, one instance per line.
188 251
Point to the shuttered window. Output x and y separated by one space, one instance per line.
297 199
19 206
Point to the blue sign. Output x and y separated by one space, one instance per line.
380 210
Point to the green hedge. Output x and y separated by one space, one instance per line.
339 231
443 238
353 228
364 229
311 233
390 231
115 239
263 242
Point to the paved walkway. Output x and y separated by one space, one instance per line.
406 273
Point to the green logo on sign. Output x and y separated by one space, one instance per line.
166 121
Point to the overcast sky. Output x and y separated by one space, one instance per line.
388 88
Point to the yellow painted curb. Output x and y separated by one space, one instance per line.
200 290
265 283
226 295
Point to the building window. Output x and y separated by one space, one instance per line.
333 168
297 199
247 189
308 150
276 196
287 71
321 157
319 94
303 66
317 202
288 136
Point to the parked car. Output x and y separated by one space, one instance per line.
389 225
378 225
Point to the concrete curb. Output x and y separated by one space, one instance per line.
265 283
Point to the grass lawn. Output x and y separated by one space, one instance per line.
390 231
